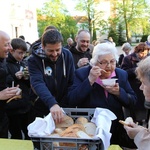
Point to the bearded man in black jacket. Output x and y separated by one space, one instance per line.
80 51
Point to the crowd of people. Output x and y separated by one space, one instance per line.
55 76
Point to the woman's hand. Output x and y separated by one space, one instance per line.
112 89
95 72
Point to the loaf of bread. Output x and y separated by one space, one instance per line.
82 134
127 122
90 128
81 129
71 131
67 122
81 120
59 130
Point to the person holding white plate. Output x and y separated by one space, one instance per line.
88 91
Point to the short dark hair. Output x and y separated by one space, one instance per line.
18 43
51 37
22 37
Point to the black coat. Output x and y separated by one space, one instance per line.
3 74
22 105
120 60
129 64
78 55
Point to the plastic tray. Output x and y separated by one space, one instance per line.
47 143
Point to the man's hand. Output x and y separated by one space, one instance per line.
133 129
82 62
57 113
9 92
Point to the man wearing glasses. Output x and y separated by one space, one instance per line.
88 91
81 52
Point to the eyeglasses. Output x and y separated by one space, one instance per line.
105 63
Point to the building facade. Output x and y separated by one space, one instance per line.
19 17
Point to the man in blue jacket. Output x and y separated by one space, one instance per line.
51 70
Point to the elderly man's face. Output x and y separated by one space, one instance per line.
108 63
145 87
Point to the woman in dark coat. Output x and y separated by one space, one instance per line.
88 91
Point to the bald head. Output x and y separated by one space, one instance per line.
5 45
83 40
70 41
3 34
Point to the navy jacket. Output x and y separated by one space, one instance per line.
49 80
82 94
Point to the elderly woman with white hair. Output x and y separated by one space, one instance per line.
88 90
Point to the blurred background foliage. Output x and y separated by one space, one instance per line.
130 18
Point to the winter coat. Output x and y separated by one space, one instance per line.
3 74
129 64
50 80
82 94
22 105
78 55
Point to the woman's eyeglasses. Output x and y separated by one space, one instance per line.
105 63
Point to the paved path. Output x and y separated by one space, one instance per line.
119 50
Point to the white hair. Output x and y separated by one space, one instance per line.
103 49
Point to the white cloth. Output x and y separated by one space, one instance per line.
103 120
41 126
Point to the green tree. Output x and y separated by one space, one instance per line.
129 13
121 36
93 16
113 33
55 13
144 38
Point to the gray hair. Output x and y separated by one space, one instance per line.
103 49
126 46
143 69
